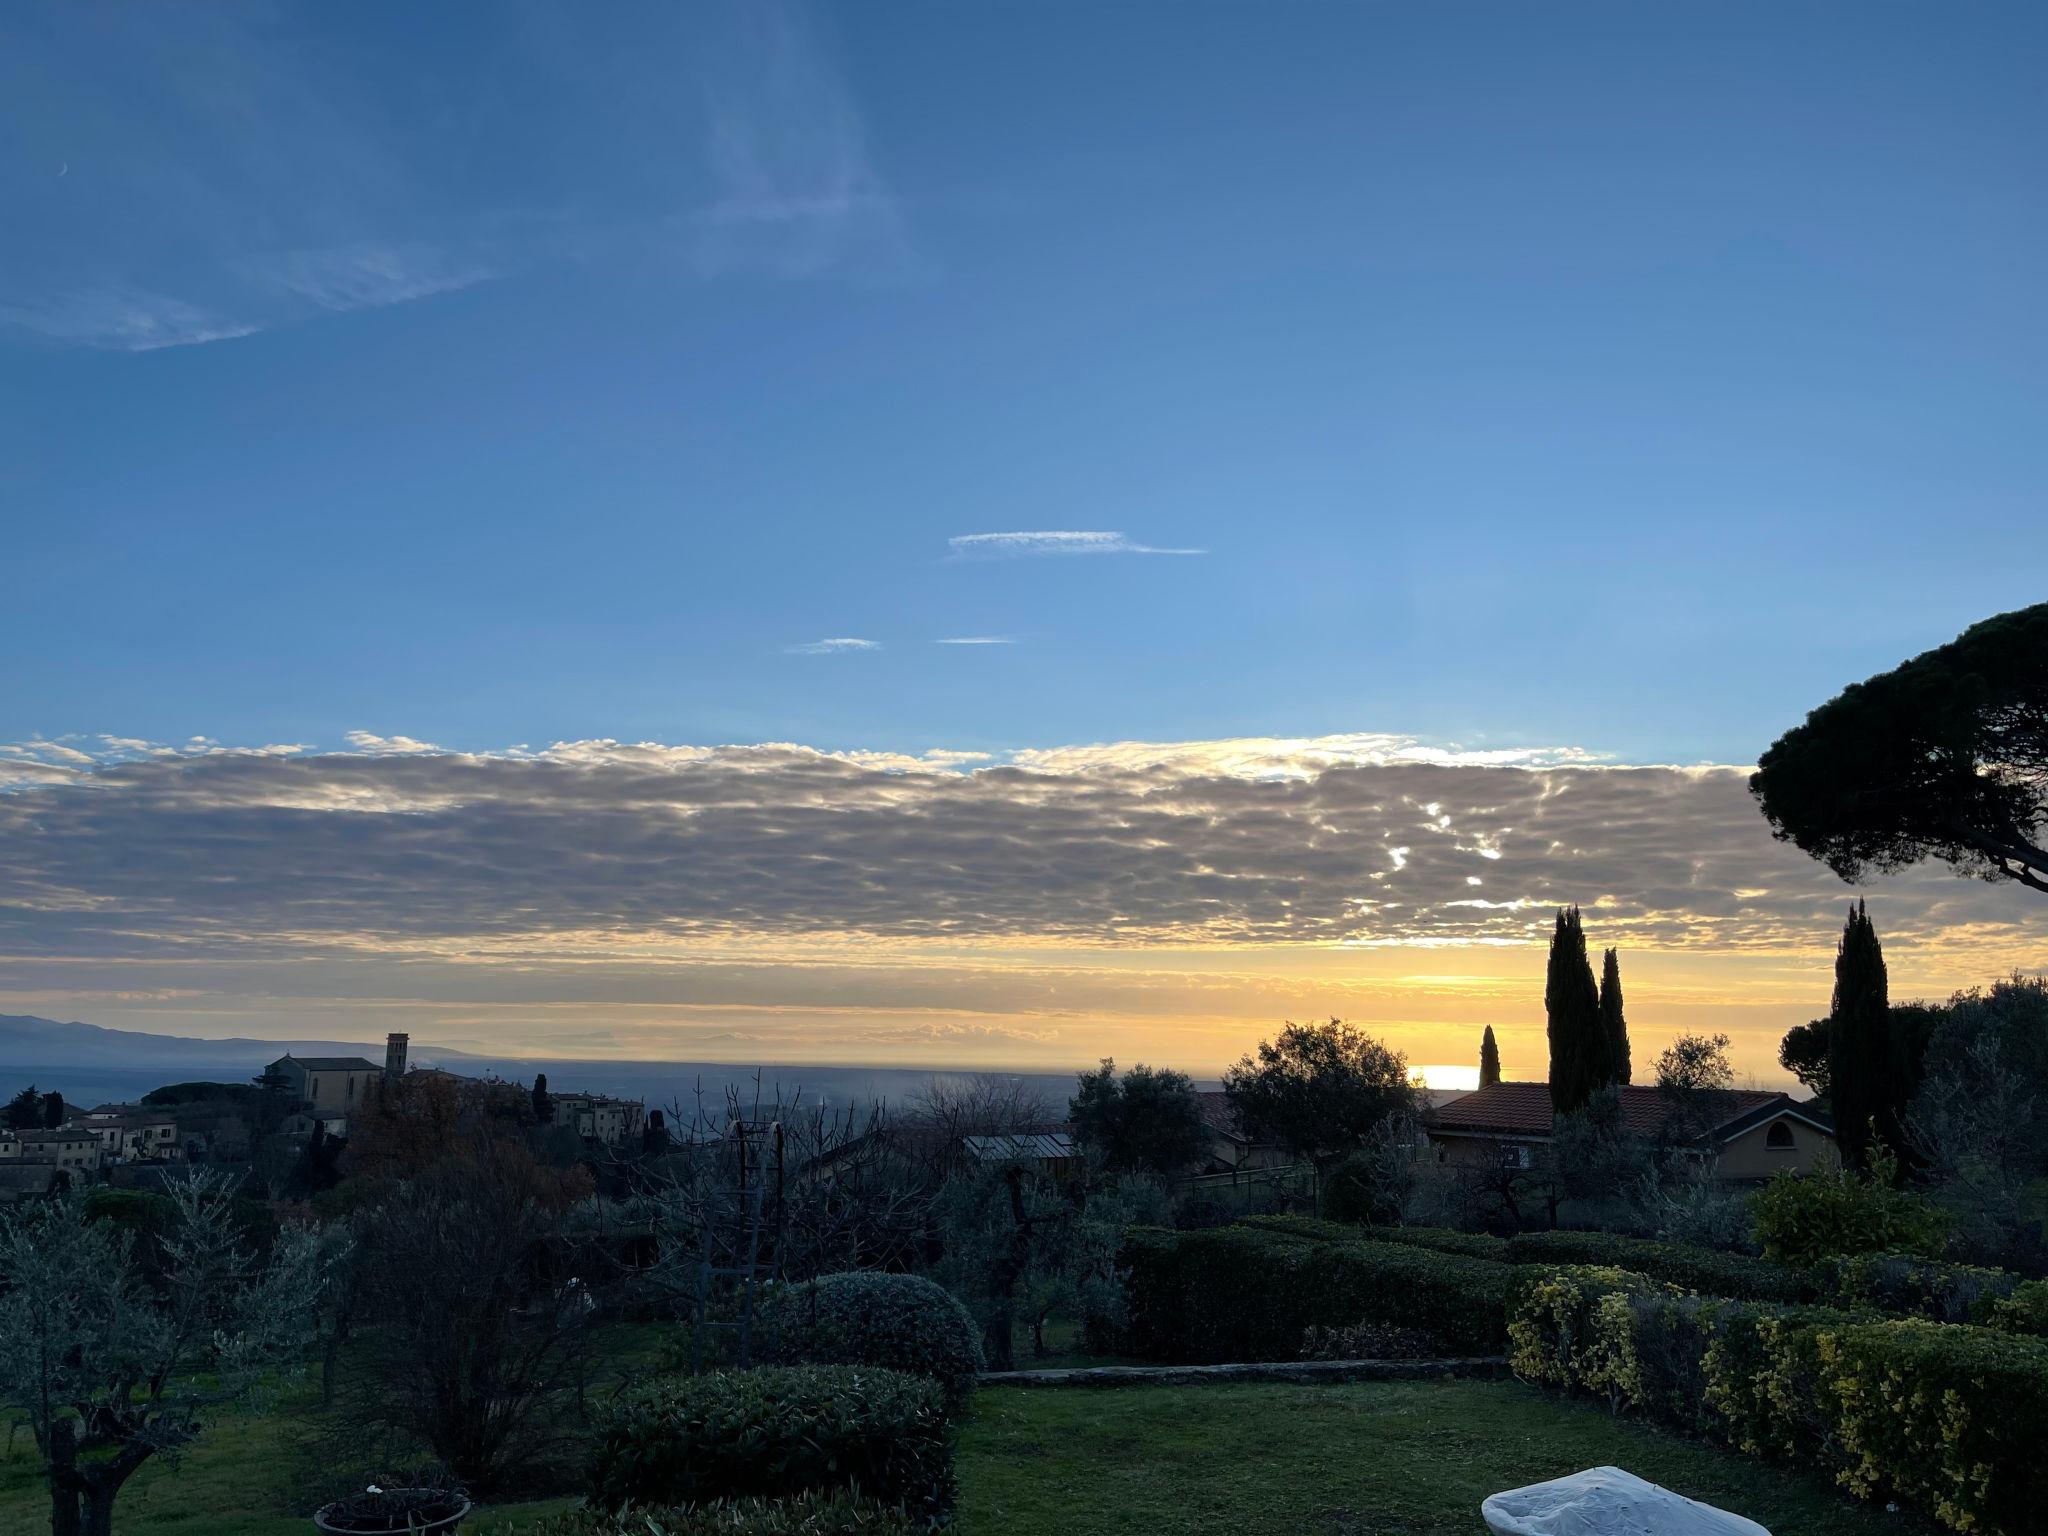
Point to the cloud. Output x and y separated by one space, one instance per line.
832 647
1012 546
367 741
976 640
121 318
608 844
796 190
230 172
366 276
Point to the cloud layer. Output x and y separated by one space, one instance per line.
1363 841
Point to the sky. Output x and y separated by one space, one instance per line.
987 534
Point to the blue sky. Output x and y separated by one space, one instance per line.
439 445
1620 375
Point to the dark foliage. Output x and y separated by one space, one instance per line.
1613 1024
241 1095
1489 1059
1862 1059
1804 1053
901 1322
1319 1090
1681 1264
477 1335
1149 1120
25 1110
777 1431
1251 1292
1580 1055
1945 756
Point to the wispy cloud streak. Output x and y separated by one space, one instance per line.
1013 546
837 646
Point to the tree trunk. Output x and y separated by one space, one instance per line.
1007 1271
99 1509
65 1484
64 1519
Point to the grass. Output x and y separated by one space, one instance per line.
1368 1459
1371 1459
228 1484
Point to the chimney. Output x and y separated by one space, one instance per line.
394 1057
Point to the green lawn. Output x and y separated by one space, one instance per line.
232 1483
1370 1459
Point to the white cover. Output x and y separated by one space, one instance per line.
1606 1501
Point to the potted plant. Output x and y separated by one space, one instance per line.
388 1511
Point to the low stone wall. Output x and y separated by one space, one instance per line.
1274 1370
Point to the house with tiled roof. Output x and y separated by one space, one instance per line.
1750 1134
1231 1147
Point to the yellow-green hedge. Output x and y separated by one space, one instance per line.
1948 1419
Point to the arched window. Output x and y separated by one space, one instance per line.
1779 1137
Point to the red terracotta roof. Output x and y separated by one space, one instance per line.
1524 1109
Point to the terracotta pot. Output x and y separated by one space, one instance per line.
445 1525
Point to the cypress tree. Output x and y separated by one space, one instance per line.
1489 1059
1578 1050
1612 1024
1860 1049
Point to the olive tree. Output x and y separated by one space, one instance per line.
111 1366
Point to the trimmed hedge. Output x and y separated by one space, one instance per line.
776 1430
1917 1287
2024 1311
1705 1270
1951 1420
865 1317
1946 1418
1471 1245
1250 1292
808 1514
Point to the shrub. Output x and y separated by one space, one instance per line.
1949 1419
1946 1418
863 1317
1250 1292
773 1431
1802 1218
1905 1282
1705 1270
1572 1328
808 1514
1472 1245
2024 1311
1366 1341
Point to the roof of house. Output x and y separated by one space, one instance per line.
69 1133
1043 1145
1524 1109
1220 1115
332 1063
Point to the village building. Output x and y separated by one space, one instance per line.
1745 1135
131 1134
71 1148
336 1084
596 1117
1231 1148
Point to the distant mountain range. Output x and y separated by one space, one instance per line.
90 1064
